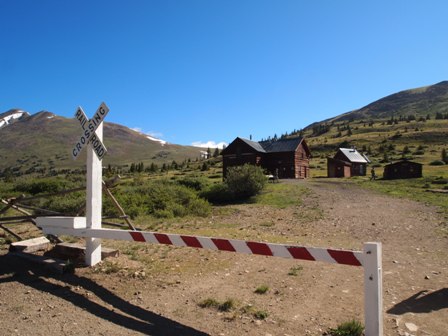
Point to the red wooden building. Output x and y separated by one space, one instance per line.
288 157
347 162
402 170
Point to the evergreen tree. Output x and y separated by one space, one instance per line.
216 152
204 166
444 156
349 131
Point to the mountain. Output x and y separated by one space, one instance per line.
411 124
420 102
45 140
11 116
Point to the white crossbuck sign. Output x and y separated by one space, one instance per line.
88 135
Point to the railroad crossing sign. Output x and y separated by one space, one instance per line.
89 135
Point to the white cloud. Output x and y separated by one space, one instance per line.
209 144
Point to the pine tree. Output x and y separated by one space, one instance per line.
444 156
216 152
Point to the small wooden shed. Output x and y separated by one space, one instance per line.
403 170
338 168
347 162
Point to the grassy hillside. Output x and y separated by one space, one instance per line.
44 141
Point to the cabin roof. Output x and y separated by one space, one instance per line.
403 163
255 145
282 145
354 156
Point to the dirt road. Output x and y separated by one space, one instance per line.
156 290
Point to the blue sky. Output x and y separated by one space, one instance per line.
194 71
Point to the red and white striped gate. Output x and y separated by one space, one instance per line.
369 258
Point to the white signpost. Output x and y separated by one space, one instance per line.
92 136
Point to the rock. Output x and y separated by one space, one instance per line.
426 277
411 326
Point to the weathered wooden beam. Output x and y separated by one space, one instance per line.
31 245
15 222
11 233
29 207
11 218
117 205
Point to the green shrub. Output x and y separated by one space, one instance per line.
43 185
162 199
195 183
440 180
437 163
218 194
245 181
242 182
351 328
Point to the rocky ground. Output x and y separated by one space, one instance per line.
156 290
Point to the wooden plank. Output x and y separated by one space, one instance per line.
11 233
118 206
75 251
31 245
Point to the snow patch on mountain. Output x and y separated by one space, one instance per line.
162 142
149 136
10 118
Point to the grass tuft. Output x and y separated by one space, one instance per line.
351 328
261 289
294 271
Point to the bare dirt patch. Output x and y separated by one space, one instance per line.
156 290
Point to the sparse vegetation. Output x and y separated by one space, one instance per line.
263 289
294 271
351 328
260 314
225 306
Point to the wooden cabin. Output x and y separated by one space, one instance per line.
338 168
289 158
347 162
403 170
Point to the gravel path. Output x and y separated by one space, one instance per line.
163 300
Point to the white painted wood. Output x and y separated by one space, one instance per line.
373 289
61 222
89 136
94 201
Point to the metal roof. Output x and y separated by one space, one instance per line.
353 155
282 145
255 145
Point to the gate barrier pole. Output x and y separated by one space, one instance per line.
370 258
373 289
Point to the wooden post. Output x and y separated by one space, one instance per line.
94 201
373 289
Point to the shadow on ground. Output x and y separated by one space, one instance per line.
422 302
139 320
